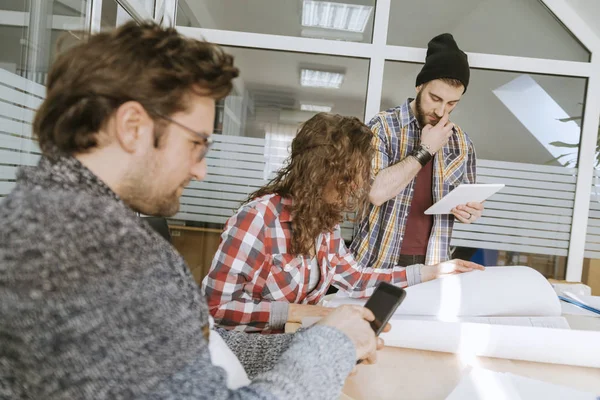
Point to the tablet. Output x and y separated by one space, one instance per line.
464 194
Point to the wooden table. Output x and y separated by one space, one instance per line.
423 375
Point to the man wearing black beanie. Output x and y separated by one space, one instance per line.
420 156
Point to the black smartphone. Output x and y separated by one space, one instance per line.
383 303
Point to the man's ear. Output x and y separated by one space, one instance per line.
418 89
133 127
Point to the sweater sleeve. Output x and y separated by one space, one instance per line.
257 353
314 365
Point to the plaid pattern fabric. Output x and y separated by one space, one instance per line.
379 235
253 267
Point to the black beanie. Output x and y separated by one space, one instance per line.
444 60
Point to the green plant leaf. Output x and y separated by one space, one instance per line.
556 158
563 144
569 119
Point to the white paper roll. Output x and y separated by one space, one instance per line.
556 346
497 291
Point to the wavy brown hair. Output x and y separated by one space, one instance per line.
147 63
329 151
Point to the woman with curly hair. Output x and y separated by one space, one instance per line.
283 248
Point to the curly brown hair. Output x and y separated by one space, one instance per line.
327 150
147 63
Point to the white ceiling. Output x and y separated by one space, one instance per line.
509 27
589 11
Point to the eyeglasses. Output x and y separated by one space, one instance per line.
201 138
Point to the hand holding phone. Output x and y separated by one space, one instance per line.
383 303
354 321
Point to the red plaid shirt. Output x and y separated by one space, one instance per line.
254 274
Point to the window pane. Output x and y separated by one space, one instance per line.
591 265
14 5
514 121
28 52
108 17
522 28
509 116
38 30
64 7
256 123
113 15
149 6
349 20
273 91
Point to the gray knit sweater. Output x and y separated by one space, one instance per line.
95 305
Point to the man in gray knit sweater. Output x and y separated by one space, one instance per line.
93 303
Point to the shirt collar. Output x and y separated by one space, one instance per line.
285 214
405 114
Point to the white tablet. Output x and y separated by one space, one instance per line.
464 194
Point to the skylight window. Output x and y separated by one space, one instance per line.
541 115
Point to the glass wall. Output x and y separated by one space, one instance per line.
521 123
275 88
33 33
525 126
113 15
591 265
255 124
511 116
525 137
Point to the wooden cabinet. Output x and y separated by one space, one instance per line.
197 246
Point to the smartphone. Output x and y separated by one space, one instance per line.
383 303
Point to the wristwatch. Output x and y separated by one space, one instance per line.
422 154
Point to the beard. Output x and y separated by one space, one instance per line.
162 206
141 190
421 116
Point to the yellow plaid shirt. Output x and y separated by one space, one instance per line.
379 235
